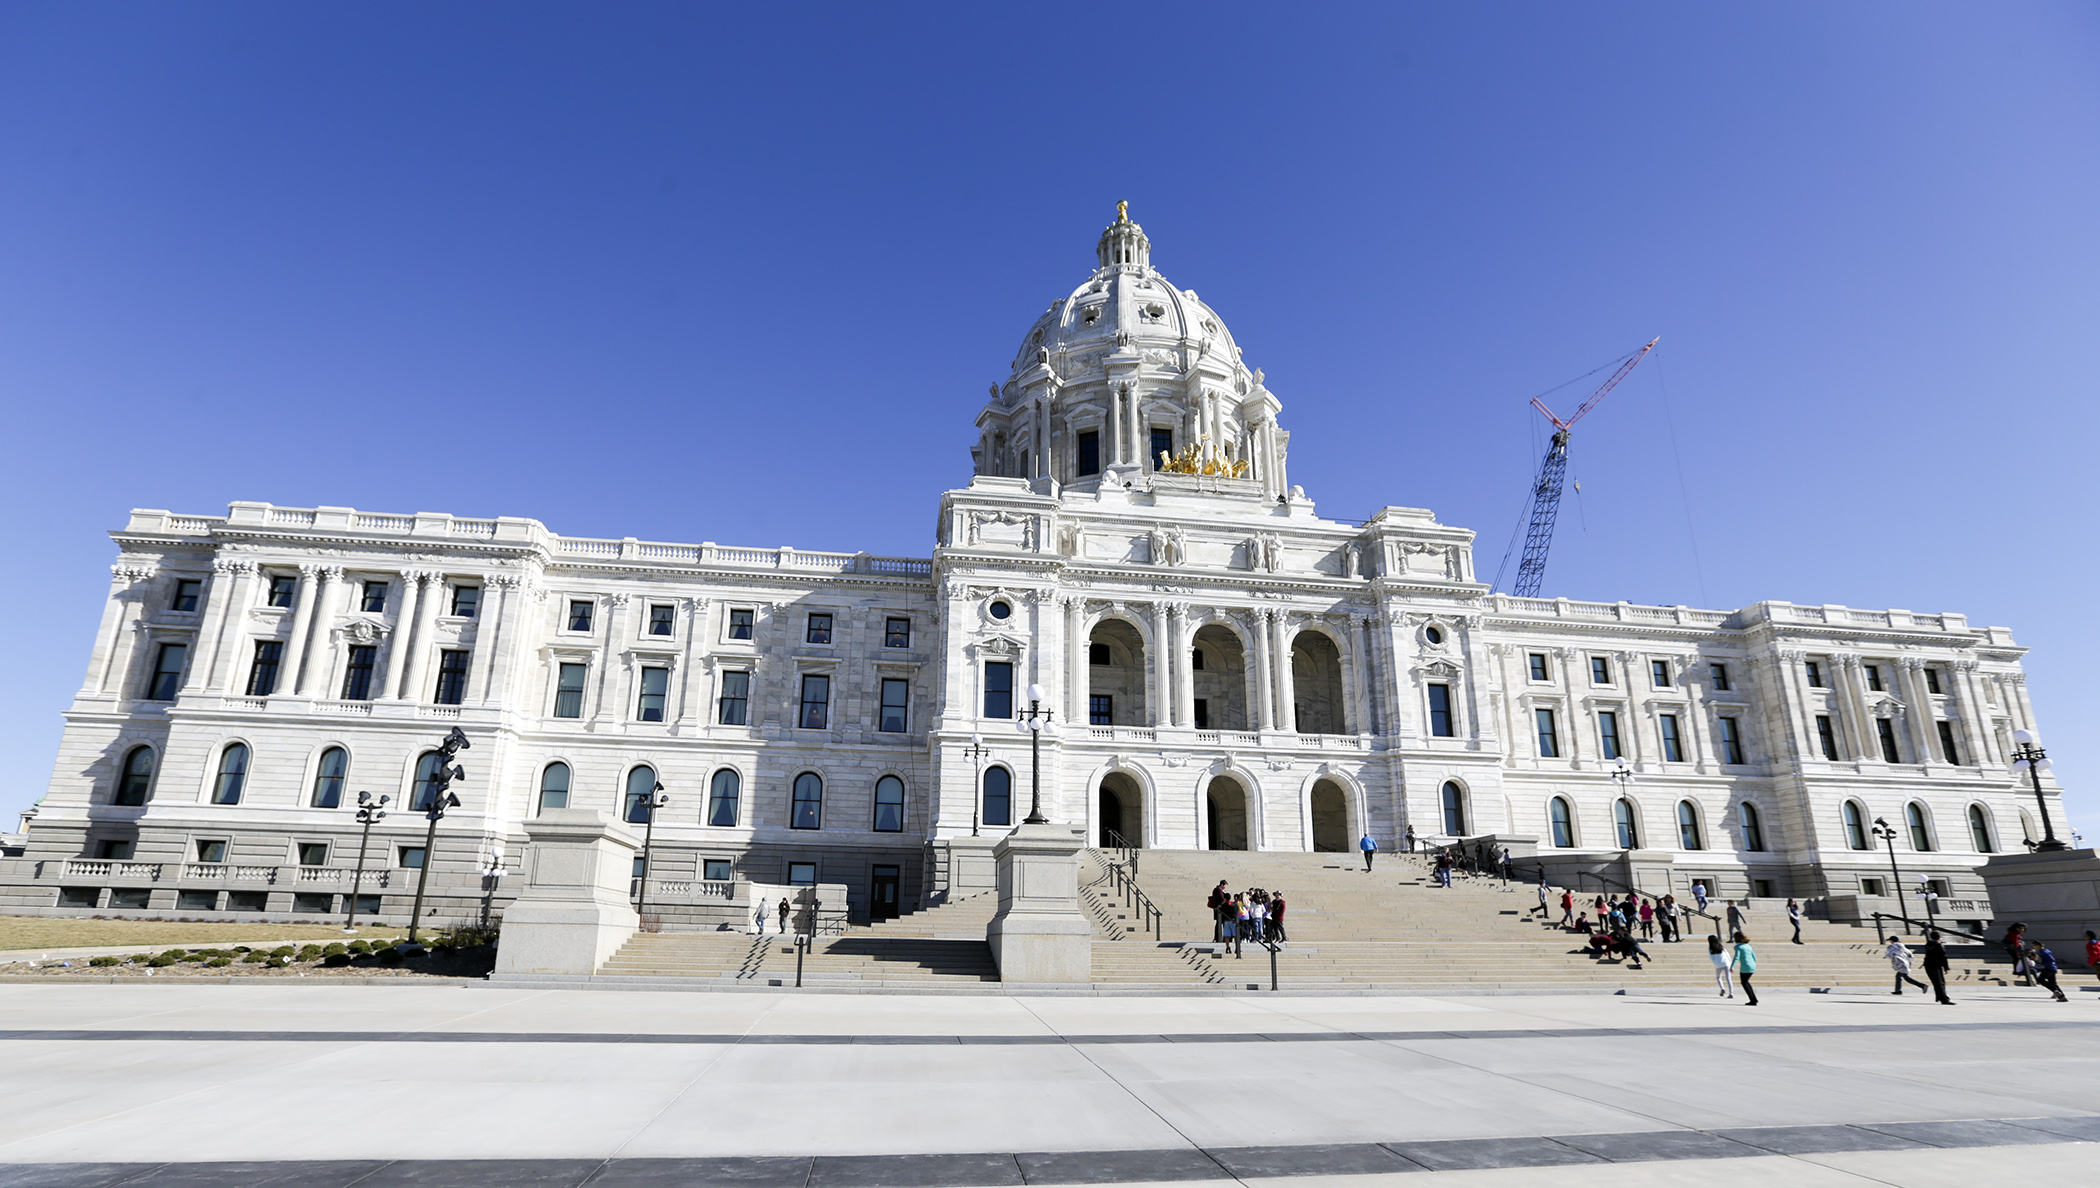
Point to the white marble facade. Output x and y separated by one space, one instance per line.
1227 669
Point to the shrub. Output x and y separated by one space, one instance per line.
390 956
358 948
163 961
282 951
174 954
334 947
106 961
193 956
253 957
309 952
218 963
336 960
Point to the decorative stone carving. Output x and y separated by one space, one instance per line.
1014 529
133 573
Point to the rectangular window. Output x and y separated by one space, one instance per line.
1608 733
466 601
1731 739
1932 680
1162 444
1872 887
113 850
568 691
736 698
1600 671
410 857
656 682
1659 673
1720 675
1887 730
580 614
357 674
167 672
717 870
1440 712
373 600
819 631
1673 743
998 689
1815 675
1549 736
187 591
1947 747
1826 734
896 704
1100 709
740 622
313 853
1089 454
1202 713
802 874
452 677
211 850
661 617
262 673
816 701
896 633
1539 671
1873 677
283 590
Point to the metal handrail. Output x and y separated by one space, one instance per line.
1934 927
1124 880
1607 882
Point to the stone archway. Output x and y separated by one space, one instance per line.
1225 808
1120 809
1316 685
1116 675
1331 829
1218 668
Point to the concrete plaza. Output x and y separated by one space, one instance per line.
330 1085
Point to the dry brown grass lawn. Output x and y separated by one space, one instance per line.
53 932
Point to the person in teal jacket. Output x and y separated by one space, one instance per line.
1745 964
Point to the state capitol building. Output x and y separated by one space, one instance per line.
1224 669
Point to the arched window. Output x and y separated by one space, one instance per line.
807 811
1622 818
722 794
1454 809
135 777
554 787
1920 836
889 805
1688 826
1753 829
1855 826
2026 828
233 774
328 778
425 788
1980 830
641 784
1563 821
998 796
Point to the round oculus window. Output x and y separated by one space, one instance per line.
1001 608
1433 636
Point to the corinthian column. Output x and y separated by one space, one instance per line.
310 639
1264 698
423 593
1286 694
1162 698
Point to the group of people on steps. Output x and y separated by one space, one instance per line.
1251 915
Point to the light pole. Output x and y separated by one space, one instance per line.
369 813
654 801
2032 759
1932 900
440 800
1622 779
976 752
1887 832
1036 723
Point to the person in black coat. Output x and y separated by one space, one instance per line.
1936 967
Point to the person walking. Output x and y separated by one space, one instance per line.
1217 896
1647 919
1735 917
1699 894
1666 910
1545 908
1567 909
1370 849
1793 916
783 915
1276 906
2016 948
1899 960
1745 963
2043 963
2092 951
1444 863
1410 839
758 916
1936 967
1720 960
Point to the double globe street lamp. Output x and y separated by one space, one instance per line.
1036 723
2029 757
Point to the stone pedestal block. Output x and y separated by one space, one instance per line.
573 912
972 867
1040 936
2056 894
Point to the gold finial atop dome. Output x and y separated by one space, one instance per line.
1124 242
1122 212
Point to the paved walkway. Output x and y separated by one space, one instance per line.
448 1086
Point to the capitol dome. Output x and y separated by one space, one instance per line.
1123 370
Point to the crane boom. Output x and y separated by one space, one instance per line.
1545 490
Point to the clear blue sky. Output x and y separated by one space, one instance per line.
743 273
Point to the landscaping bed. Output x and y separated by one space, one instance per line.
466 953
72 932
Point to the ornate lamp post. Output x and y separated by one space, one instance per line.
1036 722
2031 758
1887 832
654 801
976 751
440 800
369 813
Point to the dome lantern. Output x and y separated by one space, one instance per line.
1124 242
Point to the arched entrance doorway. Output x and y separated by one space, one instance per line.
1316 685
1225 804
1330 818
1218 668
1120 811
1115 686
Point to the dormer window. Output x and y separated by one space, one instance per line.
1090 314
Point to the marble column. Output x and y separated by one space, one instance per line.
427 603
1076 674
115 639
401 642
303 599
1162 697
1360 675
688 704
1864 737
1976 717
616 636
499 612
1263 696
1184 668
1286 695
1924 736
230 600
309 650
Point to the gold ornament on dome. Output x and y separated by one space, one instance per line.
1202 458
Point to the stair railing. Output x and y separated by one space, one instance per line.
1124 880
1883 935
1125 849
1606 883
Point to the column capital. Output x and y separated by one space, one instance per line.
422 577
503 581
1910 663
132 573
1791 655
232 565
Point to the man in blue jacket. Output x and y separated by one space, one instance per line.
1370 849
